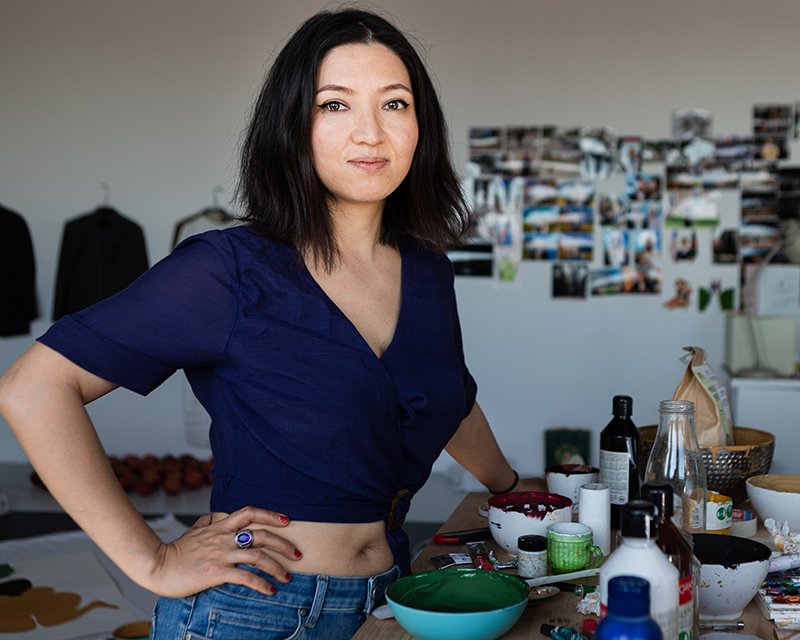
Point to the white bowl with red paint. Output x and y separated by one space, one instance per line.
512 515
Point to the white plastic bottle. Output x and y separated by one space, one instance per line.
639 556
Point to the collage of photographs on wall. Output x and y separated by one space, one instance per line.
534 192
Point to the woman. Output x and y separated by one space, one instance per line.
322 337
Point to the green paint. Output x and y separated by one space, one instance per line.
459 590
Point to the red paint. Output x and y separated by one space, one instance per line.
569 469
534 504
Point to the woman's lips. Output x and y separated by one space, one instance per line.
369 164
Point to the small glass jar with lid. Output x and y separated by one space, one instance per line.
532 558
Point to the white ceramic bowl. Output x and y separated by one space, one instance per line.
512 515
776 496
732 570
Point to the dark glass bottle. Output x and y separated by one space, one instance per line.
628 614
679 549
620 444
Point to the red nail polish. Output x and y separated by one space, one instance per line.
272 591
297 554
284 519
288 577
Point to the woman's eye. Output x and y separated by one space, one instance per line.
396 105
332 106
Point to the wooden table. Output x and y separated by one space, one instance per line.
558 610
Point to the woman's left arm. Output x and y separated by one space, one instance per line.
475 448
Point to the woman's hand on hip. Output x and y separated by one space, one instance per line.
206 555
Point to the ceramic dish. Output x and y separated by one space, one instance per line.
459 603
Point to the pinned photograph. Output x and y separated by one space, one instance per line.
679 177
486 139
698 150
756 241
626 280
540 246
761 208
682 299
542 220
598 147
789 194
616 248
647 248
561 152
630 154
576 245
683 245
576 218
522 151
760 180
643 186
643 214
725 246
770 148
690 123
660 151
693 209
570 280
610 209
733 150
773 119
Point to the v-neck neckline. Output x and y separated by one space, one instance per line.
352 326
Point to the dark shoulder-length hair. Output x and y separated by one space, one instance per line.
282 196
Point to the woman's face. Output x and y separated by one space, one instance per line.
364 128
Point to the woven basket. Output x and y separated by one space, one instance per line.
727 468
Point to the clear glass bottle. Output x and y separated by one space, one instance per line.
620 443
676 459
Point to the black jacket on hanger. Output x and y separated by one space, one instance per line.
101 254
18 305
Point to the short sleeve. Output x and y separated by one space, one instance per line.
180 313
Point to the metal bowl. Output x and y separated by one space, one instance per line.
727 467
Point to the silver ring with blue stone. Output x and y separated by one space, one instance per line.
244 538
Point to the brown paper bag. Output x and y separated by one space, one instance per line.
712 417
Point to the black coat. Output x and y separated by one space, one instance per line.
18 305
101 254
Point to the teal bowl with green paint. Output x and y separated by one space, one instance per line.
460 603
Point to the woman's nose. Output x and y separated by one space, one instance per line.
368 129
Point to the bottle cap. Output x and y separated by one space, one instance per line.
628 597
532 542
623 406
639 520
660 494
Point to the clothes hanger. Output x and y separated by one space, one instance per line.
216 212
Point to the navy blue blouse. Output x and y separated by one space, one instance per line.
306 419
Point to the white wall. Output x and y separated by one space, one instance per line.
150 97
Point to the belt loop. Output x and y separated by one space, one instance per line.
392 524
319 600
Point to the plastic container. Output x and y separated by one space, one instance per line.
679 549
640 556
628 614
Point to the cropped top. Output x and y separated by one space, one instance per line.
306 419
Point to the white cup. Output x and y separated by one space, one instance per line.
567 479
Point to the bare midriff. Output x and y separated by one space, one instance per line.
332 548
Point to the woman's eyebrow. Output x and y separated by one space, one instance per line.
342 89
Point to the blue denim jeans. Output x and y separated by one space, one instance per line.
309 607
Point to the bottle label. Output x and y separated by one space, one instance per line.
614 470
668 622
685 608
